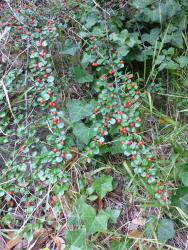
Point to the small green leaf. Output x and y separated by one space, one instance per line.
103 185
165 230
80 75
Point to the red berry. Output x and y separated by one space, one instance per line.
132 125
147 176
35 66
7 24
103 77
158 184
159 191
20 28
137 92
129 143
11 203
10 192
164 198
52 104
28 204
39 30
149 159
55 150
45 76
108 118
102 133
94 47
112 72
119 121
32 22
52 202
123 130
105 124
139 120
94 64
39 43
62 142
54 113
38 79
132 85
132 157
122 62
49 93
42 102
119 112
140 143
62 155
55 121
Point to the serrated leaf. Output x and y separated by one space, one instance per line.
80 75
165 230
103 185
79 109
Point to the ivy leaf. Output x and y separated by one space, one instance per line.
91 20
87 59
113 214
82 132
183 61
103 185
79 109
141 4
180 199
77 240
70 48
165 230
120 245
80 75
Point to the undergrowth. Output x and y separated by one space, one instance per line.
93 107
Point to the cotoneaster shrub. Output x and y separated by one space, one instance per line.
35 130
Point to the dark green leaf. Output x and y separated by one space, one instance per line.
79 109
165 230
76 240
70 48
103 185
82 132
80 75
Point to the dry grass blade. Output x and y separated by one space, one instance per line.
59 242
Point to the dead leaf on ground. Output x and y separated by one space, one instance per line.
2 243
140 221
15 240
40 237
60 243
135 234
100 204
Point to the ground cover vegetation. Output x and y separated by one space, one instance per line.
93 124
